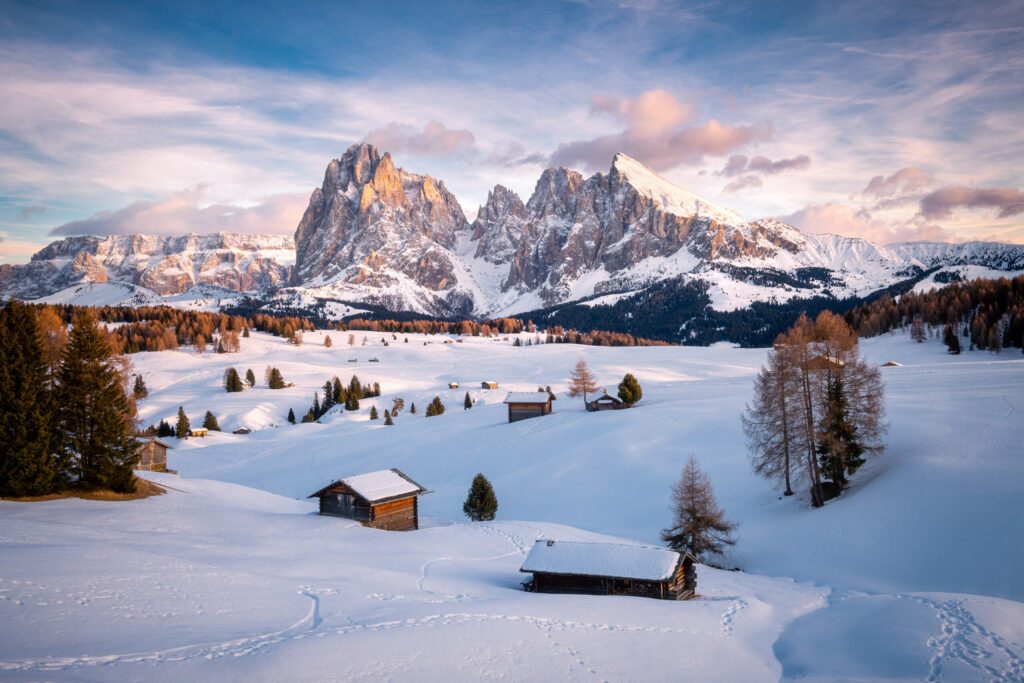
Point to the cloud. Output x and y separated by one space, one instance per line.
904 181
745 183
435 139
844 219
762 164
31 212
184 212
659 132
514 154
940 203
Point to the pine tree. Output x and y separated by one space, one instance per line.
232 382
328 395
951 340
412 409
291 416
250 377
309 416
29 436
481 504
355 389
95 413
210 422
140 390
338 391
839 450
582 380
373 413
376 389
629 390
387 418
276 380
435 407
467 403
183 427
164 429
698 525
317 412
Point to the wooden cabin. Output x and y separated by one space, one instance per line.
152 456
489 384
453 385
201 432
606 402
523 405
386 499
610 569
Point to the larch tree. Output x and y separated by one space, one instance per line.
768 422
29 444
699 525
582 381
95 412
53 338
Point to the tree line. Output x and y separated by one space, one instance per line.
66 417
987 312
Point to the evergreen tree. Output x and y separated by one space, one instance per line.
629 390
210 422
355 389
338 392
250 377
316 406
376 389
699 525
164 429
467 403
412 409
28 430
183 427
481 504
276 380
232 382
95 413
291 416
839 450
140 390
328 395
435 407
951 340
309 416
387 418
373 413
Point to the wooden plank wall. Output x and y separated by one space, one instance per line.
395 515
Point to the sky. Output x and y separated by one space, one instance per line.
884 120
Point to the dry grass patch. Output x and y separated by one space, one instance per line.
143 489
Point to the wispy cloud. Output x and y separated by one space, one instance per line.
1007 201
31 212
434 139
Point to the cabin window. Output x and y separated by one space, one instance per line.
345 503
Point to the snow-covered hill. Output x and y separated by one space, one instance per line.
912 574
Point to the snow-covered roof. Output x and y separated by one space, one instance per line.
378 486
608 397
527 397
612 560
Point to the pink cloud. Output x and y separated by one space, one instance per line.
184 213
940 203
745 183
435 139
659 131
904 181
843 219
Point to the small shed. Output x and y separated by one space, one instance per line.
891 364
198 431
488 384
386 499
152 455
605 402
242 430
610 569
526 404
453 385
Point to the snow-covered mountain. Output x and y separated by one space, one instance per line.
164 265
377 234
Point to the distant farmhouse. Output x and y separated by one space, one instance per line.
489 384
523 405
453 385
386 499
610 569
153 456
605 402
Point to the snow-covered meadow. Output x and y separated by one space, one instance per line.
913 574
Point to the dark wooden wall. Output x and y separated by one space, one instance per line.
524 411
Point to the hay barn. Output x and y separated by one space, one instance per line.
386 499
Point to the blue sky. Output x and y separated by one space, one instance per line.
890 121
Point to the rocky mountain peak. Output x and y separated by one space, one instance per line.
554 191
499 225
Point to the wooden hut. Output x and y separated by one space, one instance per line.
386 499
453 385
610 569
152 456
523 405
488 384
200 432
606 402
